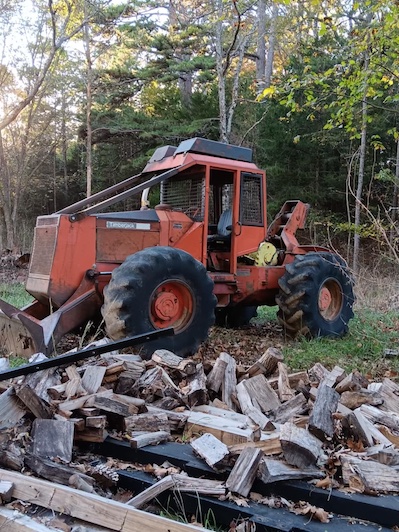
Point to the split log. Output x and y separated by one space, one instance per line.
269 446
126 381
52 439
300 448
296 406
11 460
122 405
267 363
177 420
384 455
6 489
38 407
226 430
376 415
53 471
92 378
389 392
318 372
271 470
354 382
367 476
57 391
216 376
225 413
353 400
150 438
248 408
96 422
166 358
77 482
196 391
261 391
283 385
243 474
229 383
92 435
179 482
73 387
334 376
321 422
210 449
147 422
294 379
364 430
11 409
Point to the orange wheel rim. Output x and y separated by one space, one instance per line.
330 299
172 305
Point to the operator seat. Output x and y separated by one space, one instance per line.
222 238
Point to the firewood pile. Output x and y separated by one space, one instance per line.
336 430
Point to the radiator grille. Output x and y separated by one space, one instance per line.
43 250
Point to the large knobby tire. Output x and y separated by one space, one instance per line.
157 288
316 296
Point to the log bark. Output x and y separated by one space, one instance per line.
271 470
53 439
321 422
300 448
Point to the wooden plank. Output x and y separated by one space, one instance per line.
89 506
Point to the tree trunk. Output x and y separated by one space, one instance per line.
220 69
394 233
272 46
89 73
359 189
261 47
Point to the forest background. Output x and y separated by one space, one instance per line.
89 88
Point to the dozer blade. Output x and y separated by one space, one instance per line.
23 334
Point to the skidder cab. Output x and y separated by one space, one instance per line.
203 252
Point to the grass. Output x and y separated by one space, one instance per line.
371 333
15 294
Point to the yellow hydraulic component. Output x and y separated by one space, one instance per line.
266 255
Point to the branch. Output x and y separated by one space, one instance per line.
56 45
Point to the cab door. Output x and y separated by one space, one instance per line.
249 214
